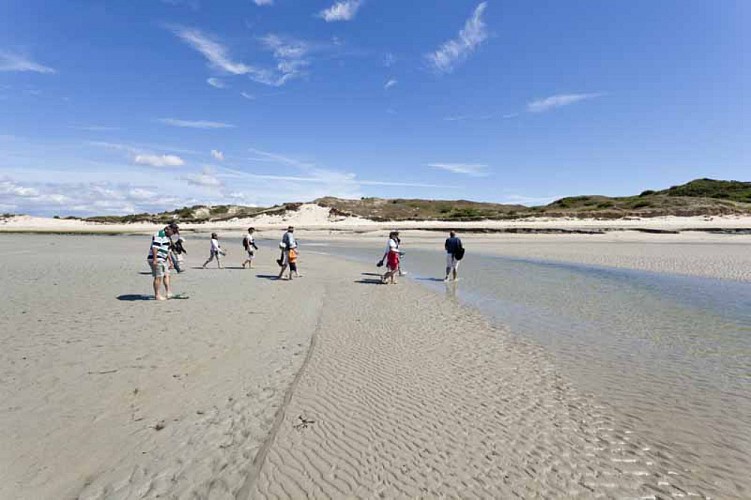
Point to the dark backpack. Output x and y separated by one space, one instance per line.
459 254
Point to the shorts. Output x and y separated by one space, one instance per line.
452 262
251 254
160 270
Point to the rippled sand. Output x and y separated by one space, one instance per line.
329 385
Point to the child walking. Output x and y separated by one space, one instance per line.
216 251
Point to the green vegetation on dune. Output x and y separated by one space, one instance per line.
709 188
380 209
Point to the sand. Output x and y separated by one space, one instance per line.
316 218
327 386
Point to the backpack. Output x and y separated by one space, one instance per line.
245 244
459 254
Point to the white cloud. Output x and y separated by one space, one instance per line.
205 179
17 62
10 188
344 10
288 53
216 83
390 84
470 169
557 101
261 3
194 124
248 96
452 53
461 118
95 128
218 155
277 158
193 4
217 55
159 160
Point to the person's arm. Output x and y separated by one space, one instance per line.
446 245
154 252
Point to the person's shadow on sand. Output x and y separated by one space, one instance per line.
370 281
135 296
272 277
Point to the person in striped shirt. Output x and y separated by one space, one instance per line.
160 262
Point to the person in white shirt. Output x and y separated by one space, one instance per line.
216 251
249 243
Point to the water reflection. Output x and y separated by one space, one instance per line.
671 354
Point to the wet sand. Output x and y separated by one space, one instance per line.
329 385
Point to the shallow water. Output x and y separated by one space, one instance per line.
670 354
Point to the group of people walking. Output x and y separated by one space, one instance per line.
392 257
167 252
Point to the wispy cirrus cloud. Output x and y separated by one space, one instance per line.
217 155
193 4
202 124
344 10
470 169
452 53
216 83
262 3
390 84
248 96
216 53
206 178
278 158
95 128
10 61
558 101
461 118
289 54
159 160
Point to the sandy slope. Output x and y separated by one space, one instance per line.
410 394
314 217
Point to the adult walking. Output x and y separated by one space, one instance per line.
288 258
159 260
392 257
249 243
454 254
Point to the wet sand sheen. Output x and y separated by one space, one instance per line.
403 393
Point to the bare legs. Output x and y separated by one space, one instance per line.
212 257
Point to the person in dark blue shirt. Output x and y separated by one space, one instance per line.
454 253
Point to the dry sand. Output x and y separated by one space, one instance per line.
314 217
327 386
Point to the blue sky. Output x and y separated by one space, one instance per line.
122 107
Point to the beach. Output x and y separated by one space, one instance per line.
327 386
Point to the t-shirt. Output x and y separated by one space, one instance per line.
161 242
392 245
250 243
214 245
452 245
